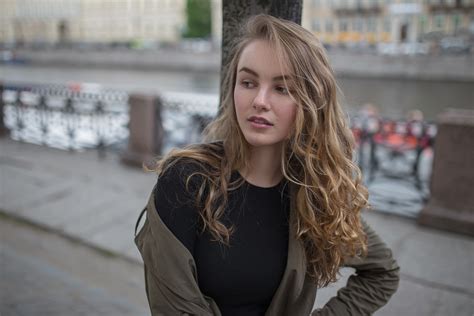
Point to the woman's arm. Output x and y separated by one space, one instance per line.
375 281
175 204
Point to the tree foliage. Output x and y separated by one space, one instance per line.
198 15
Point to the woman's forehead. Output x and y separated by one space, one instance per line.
261 57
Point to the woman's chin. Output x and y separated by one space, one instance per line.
257 142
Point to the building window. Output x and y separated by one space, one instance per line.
372 24
387 25
316 26
439 21
456 22
329 26
357 25
342 25
423 22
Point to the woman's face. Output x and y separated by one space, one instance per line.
265 111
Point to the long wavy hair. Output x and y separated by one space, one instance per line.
326 190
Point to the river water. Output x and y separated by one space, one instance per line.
394 97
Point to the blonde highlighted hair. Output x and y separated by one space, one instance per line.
326 189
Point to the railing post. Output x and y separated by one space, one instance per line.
4 131
451 204
146 130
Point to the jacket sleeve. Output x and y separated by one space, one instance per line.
375 280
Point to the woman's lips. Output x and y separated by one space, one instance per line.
259 121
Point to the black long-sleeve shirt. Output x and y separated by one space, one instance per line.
242 278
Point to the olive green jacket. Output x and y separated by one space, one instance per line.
172 288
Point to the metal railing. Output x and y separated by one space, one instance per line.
392 148
64 117
395 157
185 115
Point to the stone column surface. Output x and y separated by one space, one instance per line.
451 205
146 132
3 129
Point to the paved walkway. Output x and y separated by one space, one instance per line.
97 201
58 277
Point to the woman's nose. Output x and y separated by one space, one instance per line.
261 101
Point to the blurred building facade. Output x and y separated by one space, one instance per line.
141 21
91 21
387 21
216 16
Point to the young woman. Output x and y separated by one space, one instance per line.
253 221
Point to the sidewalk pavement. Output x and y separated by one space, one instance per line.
97 202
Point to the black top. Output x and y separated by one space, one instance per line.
242 278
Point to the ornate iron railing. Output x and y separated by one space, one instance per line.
185 115
66 117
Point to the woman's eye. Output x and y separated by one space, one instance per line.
282 90
247 84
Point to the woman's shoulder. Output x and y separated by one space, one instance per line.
213 148
196 159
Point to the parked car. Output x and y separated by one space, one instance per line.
8 56
414 48
454 45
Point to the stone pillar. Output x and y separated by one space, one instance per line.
146 130
451 205
4 131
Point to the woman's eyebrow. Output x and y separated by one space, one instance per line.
254 73
248 70
281 78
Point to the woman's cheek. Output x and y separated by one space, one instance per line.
239 100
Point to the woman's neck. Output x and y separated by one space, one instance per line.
264 168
